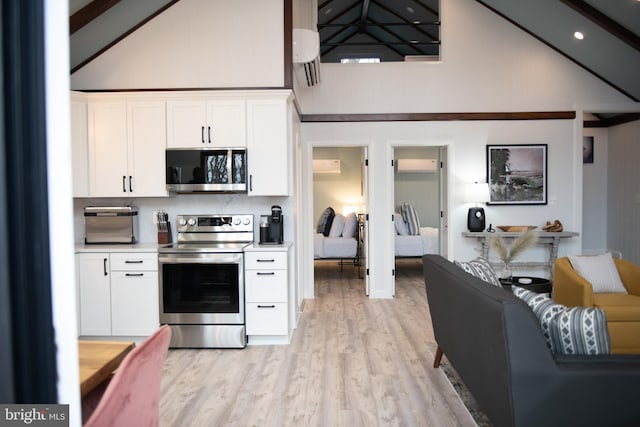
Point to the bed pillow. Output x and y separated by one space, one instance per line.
350 225
401 226
325 220
410 216
337 225
481 269
600 271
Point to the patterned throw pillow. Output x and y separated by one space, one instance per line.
410 216
325 221
568 330
481 269
542 306
580 330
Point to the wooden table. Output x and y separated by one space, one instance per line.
98 360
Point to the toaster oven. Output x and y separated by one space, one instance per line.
118 224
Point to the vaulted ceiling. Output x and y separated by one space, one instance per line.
398 30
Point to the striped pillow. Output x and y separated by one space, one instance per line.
600 271
410 216
481 269
580 330
542 306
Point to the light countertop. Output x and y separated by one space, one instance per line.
125 247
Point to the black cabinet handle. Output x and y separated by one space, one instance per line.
130 184
266 274
266 306
128 261
202 133
266 260
104 266
250 182
209 130
124 184
134 274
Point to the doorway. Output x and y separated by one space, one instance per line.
419 203
339 211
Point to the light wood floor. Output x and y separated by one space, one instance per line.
352 362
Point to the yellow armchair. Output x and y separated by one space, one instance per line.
621 310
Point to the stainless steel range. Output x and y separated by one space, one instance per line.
202 281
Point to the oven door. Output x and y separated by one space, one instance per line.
201 288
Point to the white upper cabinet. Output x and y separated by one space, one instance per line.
206 123
268 157
126 148
79 147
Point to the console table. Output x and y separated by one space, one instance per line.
549 239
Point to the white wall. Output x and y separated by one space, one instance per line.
422 190
594 194
338 190
623 189
196 44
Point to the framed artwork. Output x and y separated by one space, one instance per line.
517 174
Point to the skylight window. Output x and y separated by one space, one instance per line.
359 60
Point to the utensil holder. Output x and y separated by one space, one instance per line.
164 236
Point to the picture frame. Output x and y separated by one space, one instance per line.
517 174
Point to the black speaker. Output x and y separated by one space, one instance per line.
475 219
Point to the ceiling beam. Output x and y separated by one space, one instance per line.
618 119
364 14
88 13
427 117
608 24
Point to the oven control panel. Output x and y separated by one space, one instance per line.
223 223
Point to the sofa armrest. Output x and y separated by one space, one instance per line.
630 275
569 287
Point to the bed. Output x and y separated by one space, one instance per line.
337 237
411 240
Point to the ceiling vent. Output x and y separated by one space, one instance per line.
306 55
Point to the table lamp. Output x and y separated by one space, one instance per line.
478 193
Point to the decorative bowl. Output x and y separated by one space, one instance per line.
516 228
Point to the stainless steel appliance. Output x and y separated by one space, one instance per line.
195 170
271 227
202 281
110 224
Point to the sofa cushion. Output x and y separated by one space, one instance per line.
481 269
600 271
337 226
410 216
619 307
580 330
325 221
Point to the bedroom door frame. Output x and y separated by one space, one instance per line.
443 198
307 239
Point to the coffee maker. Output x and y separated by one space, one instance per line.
271 227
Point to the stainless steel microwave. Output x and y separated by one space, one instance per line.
193 170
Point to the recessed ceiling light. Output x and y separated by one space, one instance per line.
578 35
418 22
409 9
328 11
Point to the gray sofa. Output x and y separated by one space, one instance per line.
493 340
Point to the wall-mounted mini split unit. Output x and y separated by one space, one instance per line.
306 55
326 166
417 165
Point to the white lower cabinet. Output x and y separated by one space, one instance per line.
118 293
266 295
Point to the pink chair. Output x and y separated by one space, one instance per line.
132 396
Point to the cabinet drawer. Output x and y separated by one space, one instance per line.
134 261
266 285
265 260
267 319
